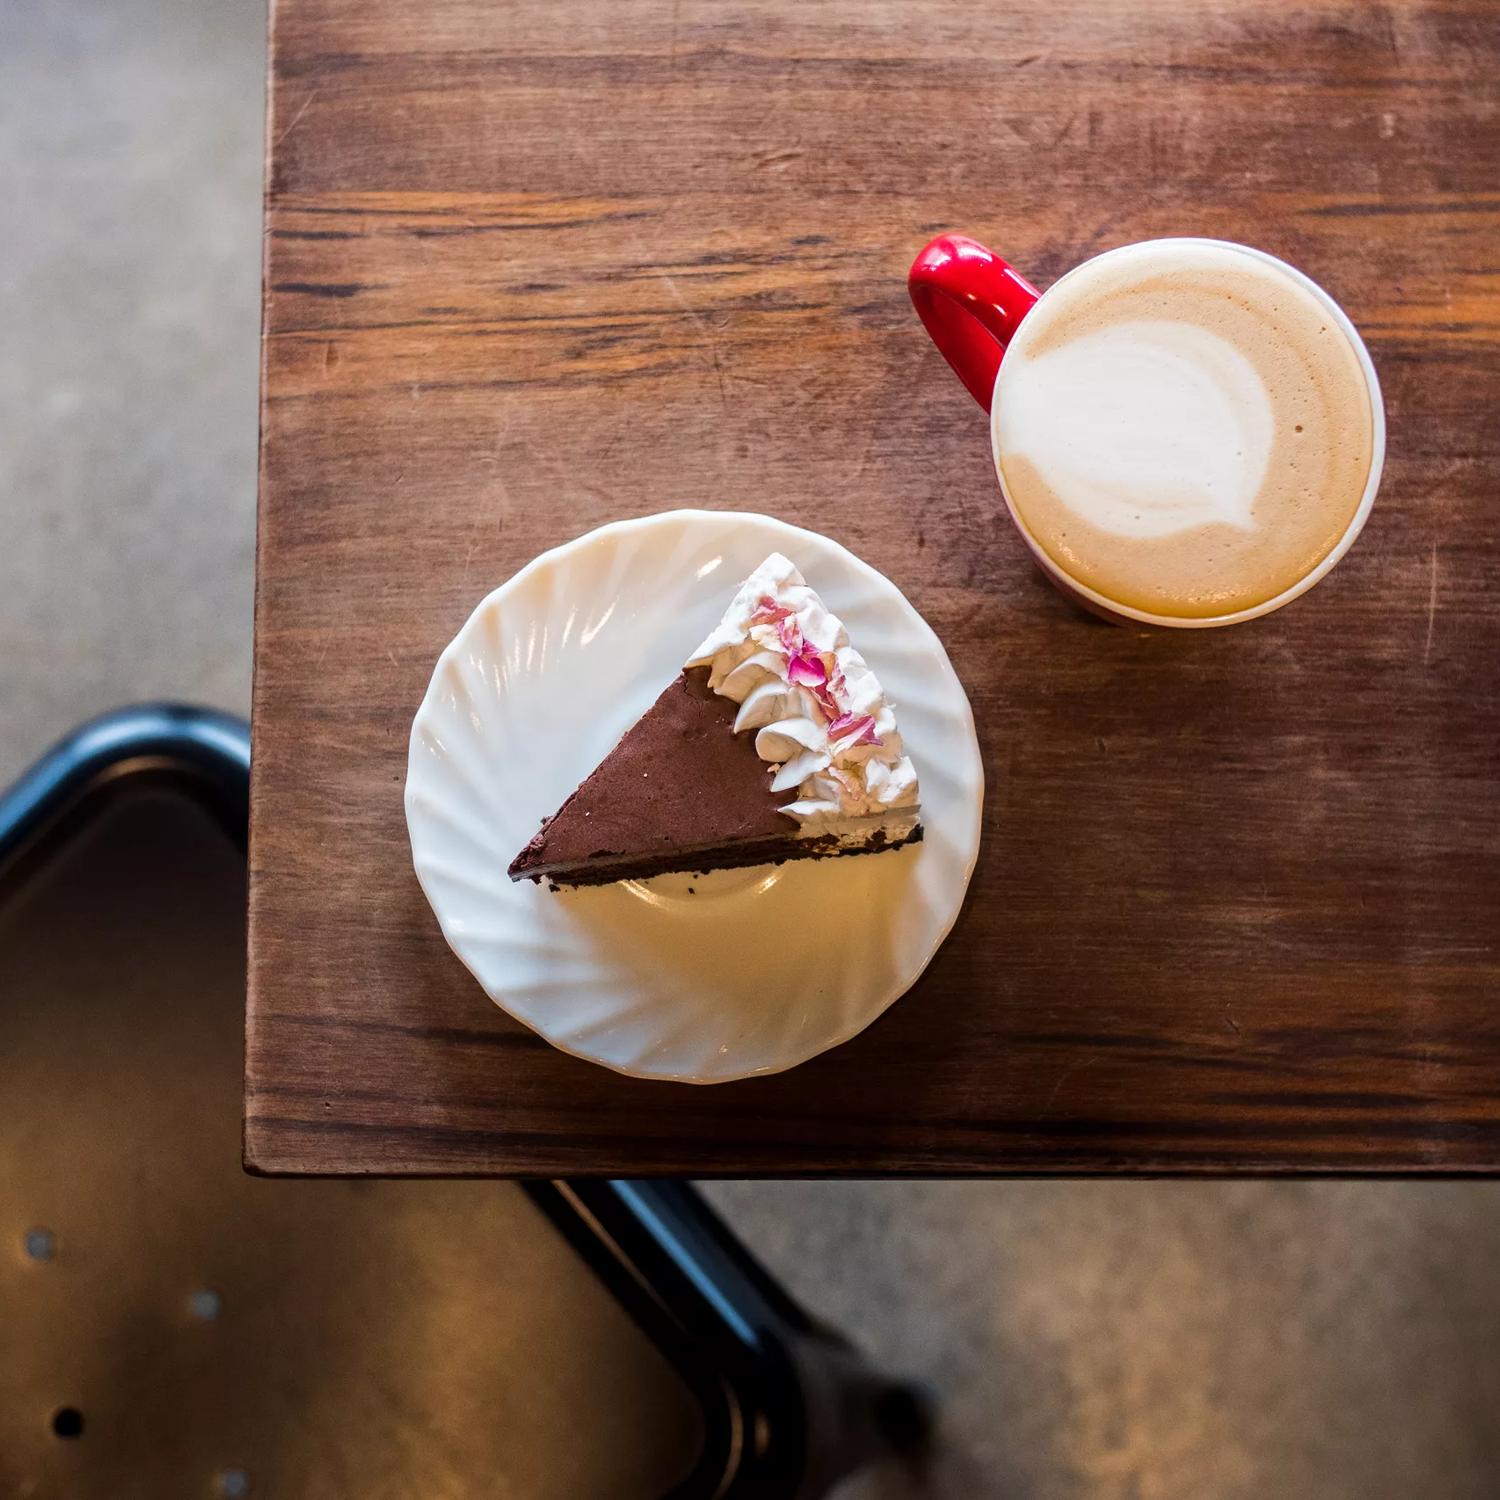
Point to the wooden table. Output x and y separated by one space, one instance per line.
532 267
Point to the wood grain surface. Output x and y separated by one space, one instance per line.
536 266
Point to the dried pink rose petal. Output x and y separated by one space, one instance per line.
769 612
824 701
830 693
857 731
806 669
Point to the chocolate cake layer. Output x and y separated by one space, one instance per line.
679 780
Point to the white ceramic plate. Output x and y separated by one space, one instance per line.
756 970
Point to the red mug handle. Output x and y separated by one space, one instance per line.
971 303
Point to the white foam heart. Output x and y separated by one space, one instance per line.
1143 428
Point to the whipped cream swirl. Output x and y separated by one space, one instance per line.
818 710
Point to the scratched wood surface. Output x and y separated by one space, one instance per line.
533 267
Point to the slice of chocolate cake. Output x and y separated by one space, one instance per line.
775 742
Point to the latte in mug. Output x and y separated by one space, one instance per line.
1187 428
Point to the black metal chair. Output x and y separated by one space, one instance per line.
784 1405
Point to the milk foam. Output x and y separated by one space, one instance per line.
1147 427
1183 427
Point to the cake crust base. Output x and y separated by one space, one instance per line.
772 852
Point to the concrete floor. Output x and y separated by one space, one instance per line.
130 156
1108 1341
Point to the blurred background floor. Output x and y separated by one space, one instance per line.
130 164
1114 1341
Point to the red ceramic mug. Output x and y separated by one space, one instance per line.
971 303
